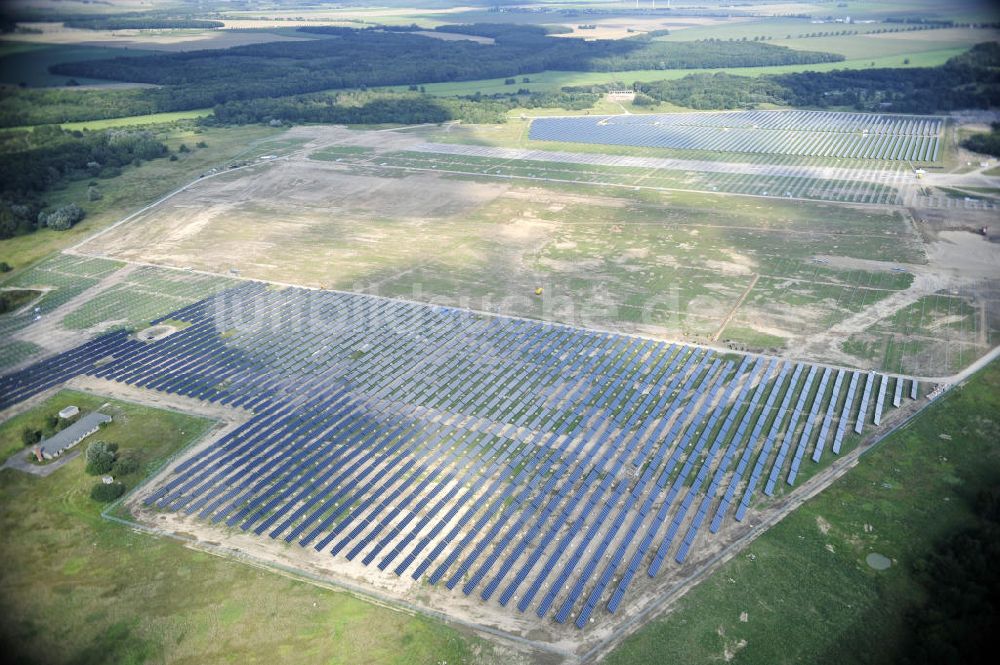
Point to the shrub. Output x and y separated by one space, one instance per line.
100 458
106 493
4 266
61 218
30 436
125 465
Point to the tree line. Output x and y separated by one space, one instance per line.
961 584
970 80
35 162
987 143
371 107
125 23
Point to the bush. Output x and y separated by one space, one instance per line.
100 458
30 436
4 266
94 193
62 218
125 465
106 493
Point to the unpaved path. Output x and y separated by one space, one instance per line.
19 461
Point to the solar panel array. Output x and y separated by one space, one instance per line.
812 133
539 466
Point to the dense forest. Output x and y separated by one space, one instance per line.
369 108
48 106
962 585
35 162
970 80
349 58
713 91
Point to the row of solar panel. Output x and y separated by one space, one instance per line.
750 141
476 446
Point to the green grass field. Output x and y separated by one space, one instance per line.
137 120
808 595
78 589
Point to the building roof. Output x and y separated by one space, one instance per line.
69 411
76 431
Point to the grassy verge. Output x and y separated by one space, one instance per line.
130 121
78 589
806 590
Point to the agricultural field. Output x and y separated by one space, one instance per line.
819 253
530 465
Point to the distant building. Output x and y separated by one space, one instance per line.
623 94
61 441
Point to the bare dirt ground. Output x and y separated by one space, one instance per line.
329 216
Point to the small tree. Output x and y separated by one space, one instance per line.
100 458
62 218
30 436
125 465
105 493
183 148
94 193
4 266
